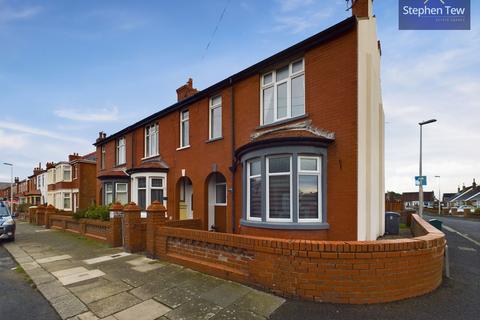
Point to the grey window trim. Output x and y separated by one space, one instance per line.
114 182
295 151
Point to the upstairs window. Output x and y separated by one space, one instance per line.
283 93
102 157
215 118
121 151
67 173
151 140
184 129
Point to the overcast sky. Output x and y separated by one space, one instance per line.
69 69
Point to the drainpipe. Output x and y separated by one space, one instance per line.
234 164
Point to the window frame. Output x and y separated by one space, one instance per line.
66 168
318 174
224 184
249 177
275 84
149 135
267 183
184 120
102 157
150 187
64 197
106 192
121 151
115 198
211 122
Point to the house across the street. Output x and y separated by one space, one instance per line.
411 200
292 146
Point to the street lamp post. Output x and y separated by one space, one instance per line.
439 197
11 185
420 187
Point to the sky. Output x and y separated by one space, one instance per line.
69 69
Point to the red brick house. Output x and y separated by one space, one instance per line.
33 194
289 147
71 184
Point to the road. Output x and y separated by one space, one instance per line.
457 298
18 299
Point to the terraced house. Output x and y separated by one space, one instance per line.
71 184
291 146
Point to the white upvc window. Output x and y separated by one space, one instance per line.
283 93
215 118
151 140
254 190
220 190
309 189
149 188
67 201
103 153
184 129
121 151
279 188
67 172
108 193
121 193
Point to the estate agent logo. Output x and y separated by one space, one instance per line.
434 14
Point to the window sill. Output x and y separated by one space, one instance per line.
213 140
182 148
149 157
121 165
279 122
286 225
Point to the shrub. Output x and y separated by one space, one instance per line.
93 212
23 207
477 211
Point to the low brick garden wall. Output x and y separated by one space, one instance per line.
90 228
334 271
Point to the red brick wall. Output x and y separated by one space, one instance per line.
333 271
86 184
330 102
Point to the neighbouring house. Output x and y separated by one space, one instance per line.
446 198
410 199
466 196
22 188
33 194
292 146
71 184
393 201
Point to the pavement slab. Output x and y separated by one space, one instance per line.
147 310
226 293
113 304
52 289
54 258
106 290
237 314
106 258
68 306
195 309
259 302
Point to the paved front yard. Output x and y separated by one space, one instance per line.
85 279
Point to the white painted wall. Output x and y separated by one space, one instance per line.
370 205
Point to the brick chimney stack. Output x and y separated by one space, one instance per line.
474 184
186 91
73 156
50 165
362 8
101 135
17 179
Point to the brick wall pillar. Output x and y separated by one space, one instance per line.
132 228
50 210
155 217
32 213
114 235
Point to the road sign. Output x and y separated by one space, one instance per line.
423 179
